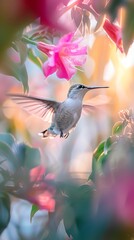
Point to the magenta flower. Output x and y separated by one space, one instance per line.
63 57
115 33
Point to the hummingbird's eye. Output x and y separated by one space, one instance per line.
80 87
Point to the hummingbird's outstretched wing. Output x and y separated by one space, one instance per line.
87 108
37 106
95 103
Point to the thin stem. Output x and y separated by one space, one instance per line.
27 40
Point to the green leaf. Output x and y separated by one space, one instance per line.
22 49
78 211
98 151
4 211
7 154
35 59
27 156
7 138
16 70
100 156
20 72
16 154
118 127
101 162
108 144
34 209
113 7
128 28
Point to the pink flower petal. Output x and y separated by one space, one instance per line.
66 38
65 69
78 61
42 198
76 52
114 32
46 48
48 69
37 173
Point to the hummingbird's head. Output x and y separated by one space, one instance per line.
79 90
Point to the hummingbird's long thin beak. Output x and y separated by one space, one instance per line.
96 87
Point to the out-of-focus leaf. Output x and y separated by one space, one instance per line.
35 59
113 7
98 151
34 209
20 72
11 67
7 154
128 28
69 221
118 127
78 212
7 138
100 22
85 22
27 156
101 162
17 155
108 144
53 223
22 49
4 211
76 15
100 156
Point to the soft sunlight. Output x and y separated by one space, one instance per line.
67 120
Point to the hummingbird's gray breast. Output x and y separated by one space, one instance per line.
67 115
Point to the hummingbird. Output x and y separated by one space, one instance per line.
64 115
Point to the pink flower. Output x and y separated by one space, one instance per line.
114 32
41 192
36 187
63 57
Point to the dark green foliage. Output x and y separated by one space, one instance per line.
17 155
78 212
13 158
128 28
118 127
33 211
114 6
4 211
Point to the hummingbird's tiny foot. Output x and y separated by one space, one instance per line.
61 134
66 135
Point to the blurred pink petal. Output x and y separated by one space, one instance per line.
63 57
115 33
37 173
116 192
42 198
37 188
125 198
48 11
66 38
